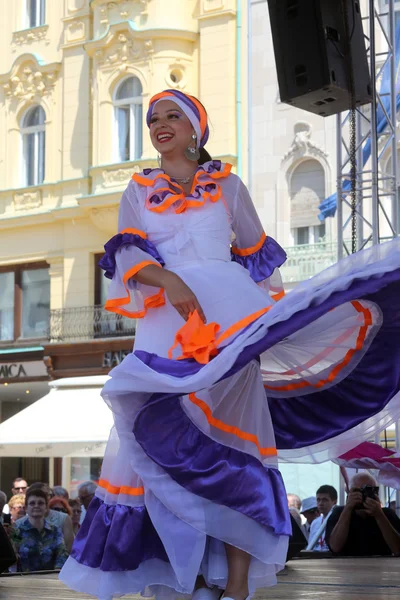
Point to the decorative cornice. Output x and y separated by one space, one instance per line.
29 78
28 200
110 5
30 36
110 35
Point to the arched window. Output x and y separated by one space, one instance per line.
128 105
307 191
34 144
35 13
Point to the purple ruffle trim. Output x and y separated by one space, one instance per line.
209 469
117 538
298 421
262 263
108 264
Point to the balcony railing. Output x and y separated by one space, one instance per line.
88 323
307 260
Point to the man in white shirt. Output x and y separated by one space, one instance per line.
326 500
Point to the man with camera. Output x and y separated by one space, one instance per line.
362 527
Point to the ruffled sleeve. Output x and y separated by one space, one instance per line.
125 255
260 254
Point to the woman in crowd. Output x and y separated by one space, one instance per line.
76 508
57 518
38 544
61 505
17 507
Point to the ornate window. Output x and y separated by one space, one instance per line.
307 191
34 144
35 13
128 111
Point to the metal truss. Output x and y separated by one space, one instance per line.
377 199
376 211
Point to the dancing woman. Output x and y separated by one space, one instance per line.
226 372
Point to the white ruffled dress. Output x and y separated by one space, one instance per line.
202 412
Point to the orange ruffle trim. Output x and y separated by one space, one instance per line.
362 335
225 427
177 193
123 489
115 304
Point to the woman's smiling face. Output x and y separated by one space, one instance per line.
170 129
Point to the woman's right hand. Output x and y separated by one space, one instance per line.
181 296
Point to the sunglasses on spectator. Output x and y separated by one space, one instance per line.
20 487
59 509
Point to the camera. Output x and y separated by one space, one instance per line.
370 491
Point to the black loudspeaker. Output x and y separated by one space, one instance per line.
297 541
312 54
7 554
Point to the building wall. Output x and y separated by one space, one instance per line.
281 136
71 66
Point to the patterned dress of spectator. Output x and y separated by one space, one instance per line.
39 550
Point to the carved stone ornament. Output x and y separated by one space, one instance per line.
120 176
75 31
105 219
111 12
30 80
302 144
30 36
119 50
27 200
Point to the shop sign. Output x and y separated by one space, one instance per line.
112 359
25 370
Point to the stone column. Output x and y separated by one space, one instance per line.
56 273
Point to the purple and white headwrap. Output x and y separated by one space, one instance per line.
193 109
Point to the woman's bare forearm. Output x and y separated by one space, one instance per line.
154 276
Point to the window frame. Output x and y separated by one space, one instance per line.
17 270
131 103
40 14
38 175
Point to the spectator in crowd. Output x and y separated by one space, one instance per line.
294 504
19 486
38 544
56 518
3 501
76 508
60 492
326 500
17 507
60 504
310 512
362 527
86 492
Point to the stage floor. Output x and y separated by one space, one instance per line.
330 579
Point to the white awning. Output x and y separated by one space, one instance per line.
71 420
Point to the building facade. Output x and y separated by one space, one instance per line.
75 80
293 155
